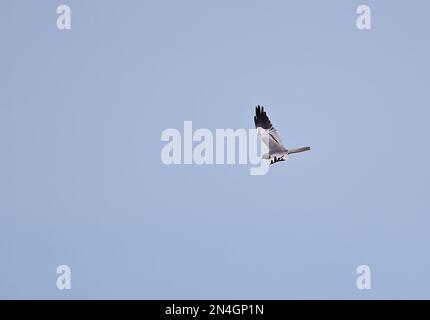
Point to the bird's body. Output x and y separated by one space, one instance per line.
270 137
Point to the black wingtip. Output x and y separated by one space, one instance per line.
261 119
275 159
257 114
259 110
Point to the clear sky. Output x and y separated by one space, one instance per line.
82 183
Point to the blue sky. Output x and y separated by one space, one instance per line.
82 182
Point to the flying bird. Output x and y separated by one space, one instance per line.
270 137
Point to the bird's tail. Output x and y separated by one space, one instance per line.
297 150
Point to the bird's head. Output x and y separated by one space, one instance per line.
260 130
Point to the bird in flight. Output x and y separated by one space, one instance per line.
270 137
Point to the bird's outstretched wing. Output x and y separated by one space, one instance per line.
270 136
